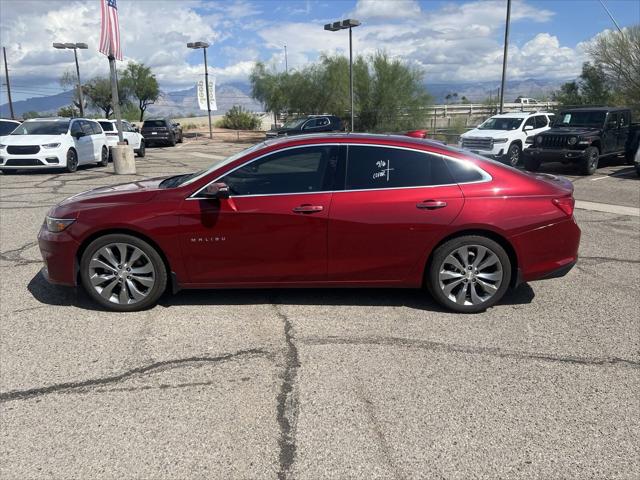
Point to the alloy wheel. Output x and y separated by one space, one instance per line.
72 161
122 273
514 156
470 275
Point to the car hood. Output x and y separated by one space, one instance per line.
31 139
476 133
124 193
577 131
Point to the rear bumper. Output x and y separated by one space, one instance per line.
58 252
553 155
550 251
159 137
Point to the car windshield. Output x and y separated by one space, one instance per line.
107 126
580 119
42 128
501 123
179 180
154 123
7 127
295 123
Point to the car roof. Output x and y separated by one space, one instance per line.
594 109
51 119
8 120
520 114
342 137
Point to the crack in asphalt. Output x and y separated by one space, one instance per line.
15 256
608 259
287 402
134 372
453 348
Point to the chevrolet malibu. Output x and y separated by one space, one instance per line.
336 210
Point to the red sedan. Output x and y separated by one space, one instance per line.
339 210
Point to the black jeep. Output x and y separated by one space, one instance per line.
583 136
161 130
310 124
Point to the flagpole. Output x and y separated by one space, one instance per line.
114 98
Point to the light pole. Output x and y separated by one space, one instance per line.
75 47
203 46
343 25
286 62
504 56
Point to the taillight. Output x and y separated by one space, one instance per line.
565 204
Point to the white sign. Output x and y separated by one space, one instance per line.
202 94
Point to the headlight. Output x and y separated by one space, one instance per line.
56 225
538 139
529 140
572 140
2 147
51 145
500 140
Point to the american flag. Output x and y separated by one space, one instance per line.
110 30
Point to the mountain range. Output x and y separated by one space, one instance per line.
184 102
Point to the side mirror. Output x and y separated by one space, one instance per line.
528 127
216 191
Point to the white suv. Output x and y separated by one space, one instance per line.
503 137
129 133
53 143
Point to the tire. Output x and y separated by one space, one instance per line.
103 275
141 152
513 155
72 161
104 157
531 164
180 138
589 164
480 287
172 141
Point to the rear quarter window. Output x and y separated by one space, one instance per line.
371 167
464 172
107 126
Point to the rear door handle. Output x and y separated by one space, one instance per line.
306 208
431 204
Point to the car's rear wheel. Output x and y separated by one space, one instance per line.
104 157
72 161
180 138
513 155
589 163
172 141
123 273
141 151
469 274
531 164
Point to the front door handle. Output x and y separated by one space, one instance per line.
431 204
306 208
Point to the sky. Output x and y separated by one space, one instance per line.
450 41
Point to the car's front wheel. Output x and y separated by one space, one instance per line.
513 155
469 274
589 163
72 160
123 273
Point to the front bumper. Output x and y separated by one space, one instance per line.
58 252
554 155
45 158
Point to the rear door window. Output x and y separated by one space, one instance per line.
370 167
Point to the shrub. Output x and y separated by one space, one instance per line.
239 119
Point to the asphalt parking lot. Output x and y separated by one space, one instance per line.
323 383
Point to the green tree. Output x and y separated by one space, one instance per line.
591 88
268 87
69 79
68 111
141 84
98 92
618 55
31 114
238 118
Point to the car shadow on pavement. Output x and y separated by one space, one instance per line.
49 294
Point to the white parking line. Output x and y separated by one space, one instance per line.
605 207
599 178
207 155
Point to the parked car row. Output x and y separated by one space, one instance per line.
67 143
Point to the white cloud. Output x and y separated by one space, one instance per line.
385 9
